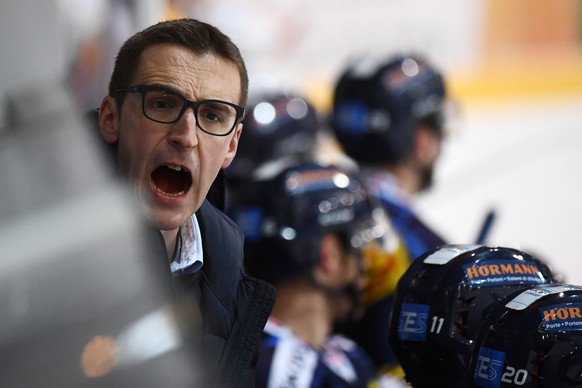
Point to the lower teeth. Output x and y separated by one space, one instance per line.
169 194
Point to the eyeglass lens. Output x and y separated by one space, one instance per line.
211 116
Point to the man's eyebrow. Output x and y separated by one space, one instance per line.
165 88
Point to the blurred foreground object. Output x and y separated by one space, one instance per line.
83 299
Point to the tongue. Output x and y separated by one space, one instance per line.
170 181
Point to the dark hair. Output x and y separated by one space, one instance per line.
200 37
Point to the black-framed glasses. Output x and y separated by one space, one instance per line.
215 117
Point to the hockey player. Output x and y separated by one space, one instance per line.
283 130
388 117
306 231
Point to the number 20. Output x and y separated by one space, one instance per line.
513 376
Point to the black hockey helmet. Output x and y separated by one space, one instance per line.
285 218
277 125
441 301
377 107
532 339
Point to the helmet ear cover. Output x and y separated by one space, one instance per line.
440 304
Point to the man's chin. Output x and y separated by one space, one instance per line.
165 222
164 217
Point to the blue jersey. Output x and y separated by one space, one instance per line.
418 237
287 361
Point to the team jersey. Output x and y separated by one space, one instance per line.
418 237
287 361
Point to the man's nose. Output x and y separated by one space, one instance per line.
184 132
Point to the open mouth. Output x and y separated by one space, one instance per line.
171 180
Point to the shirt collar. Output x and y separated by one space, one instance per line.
189 257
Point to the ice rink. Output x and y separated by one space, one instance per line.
521 159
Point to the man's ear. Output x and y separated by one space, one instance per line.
330 253
426 144
232 146
109 120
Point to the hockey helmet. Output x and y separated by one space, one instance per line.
377 107
441 301
276 125
285 218
532 339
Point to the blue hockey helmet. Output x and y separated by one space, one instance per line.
532 339
276 125
441 301
285 218
377 108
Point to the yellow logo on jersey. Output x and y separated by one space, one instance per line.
383 269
